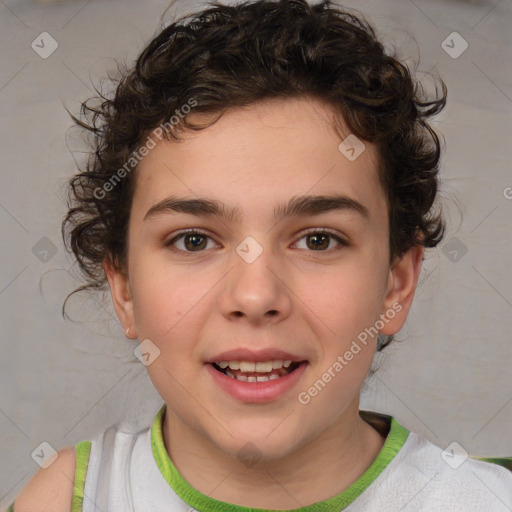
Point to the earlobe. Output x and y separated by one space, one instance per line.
121 297
402 281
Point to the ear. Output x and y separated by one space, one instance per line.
402 281
121 298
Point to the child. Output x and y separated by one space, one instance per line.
261 195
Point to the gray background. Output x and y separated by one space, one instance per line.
62 382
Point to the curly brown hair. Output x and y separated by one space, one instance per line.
225 57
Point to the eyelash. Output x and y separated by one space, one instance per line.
311 231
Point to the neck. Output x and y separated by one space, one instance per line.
330 463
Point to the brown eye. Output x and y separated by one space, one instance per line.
193 241
319 241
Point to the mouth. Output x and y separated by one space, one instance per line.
261 371
256 376
256 381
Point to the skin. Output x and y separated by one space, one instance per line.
196 305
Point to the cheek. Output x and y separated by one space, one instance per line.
168 310
165 303
347 299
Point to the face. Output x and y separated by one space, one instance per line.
256 276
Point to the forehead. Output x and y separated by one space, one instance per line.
260 156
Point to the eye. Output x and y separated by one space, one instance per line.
319 239
193 241
196 241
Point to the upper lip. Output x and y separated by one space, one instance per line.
244 354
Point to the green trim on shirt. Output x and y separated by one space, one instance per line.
83 451
392 445
505 462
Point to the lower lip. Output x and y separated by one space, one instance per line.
257 391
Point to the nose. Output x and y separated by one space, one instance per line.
256 290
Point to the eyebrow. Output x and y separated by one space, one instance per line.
297 206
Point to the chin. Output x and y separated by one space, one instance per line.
250 445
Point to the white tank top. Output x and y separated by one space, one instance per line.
123 471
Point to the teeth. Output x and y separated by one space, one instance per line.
251 366
246 366
239 377
260 378
264 367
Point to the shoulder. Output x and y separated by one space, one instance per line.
50 489
451 475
